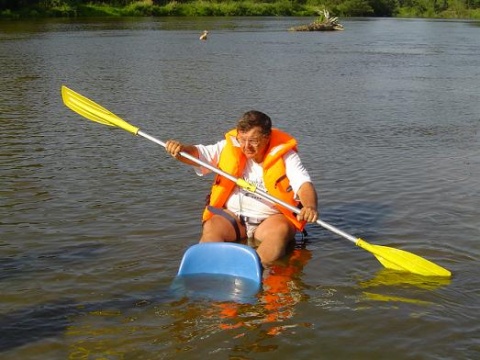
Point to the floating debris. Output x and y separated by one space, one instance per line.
323 23
204 35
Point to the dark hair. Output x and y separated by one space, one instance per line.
254 118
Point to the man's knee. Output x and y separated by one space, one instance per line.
280 227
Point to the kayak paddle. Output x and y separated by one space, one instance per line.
391 258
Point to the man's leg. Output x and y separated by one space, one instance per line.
275 234
223 226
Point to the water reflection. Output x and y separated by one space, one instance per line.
216 287
282 291
387 284
391 278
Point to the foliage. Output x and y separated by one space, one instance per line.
384 7
88 8
355 8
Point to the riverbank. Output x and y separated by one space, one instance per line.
228 8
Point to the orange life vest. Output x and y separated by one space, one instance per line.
233 161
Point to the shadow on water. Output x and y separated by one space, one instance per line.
275 303
282 290
35 323
46 320
43 321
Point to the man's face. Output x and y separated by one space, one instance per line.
253 143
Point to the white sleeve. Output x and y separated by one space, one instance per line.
297 173
209 154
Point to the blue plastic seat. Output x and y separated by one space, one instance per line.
222 258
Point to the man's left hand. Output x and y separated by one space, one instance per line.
308 214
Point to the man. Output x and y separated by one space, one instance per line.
267 158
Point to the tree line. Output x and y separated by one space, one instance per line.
342 8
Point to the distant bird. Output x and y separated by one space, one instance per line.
204 35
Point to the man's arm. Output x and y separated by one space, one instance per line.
308 197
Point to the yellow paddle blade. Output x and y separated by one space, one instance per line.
92 111
400 260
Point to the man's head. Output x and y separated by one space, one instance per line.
252 119
253 134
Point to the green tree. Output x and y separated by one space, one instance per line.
355 8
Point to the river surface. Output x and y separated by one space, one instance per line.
94 221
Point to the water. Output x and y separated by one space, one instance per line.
94 221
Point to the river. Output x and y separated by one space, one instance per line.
94 221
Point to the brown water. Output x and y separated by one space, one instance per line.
94 221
